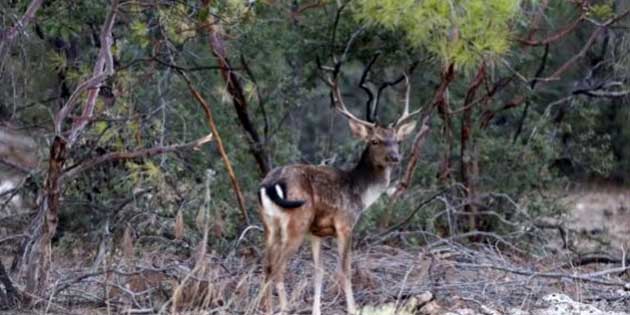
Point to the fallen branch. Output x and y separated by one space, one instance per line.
10 298
588 277
596 259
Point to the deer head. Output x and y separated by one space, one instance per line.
383 142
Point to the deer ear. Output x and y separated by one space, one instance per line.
359 130
404 130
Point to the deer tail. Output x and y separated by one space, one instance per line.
277 193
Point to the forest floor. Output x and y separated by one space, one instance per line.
431 280
443 277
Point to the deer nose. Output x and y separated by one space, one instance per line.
393 157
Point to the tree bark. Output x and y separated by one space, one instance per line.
38 259
234 88
468 155
441 103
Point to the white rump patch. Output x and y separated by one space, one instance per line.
270 208
279 191
272 211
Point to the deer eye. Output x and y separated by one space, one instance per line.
374 141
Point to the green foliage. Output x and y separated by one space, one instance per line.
460 32
149 105
602 11
139 32
589 149
178 28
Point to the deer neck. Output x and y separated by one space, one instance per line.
368 180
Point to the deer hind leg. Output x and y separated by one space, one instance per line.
344 241
318 276
272 252
292 236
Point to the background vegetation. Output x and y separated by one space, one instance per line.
523 100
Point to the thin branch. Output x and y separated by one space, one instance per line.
256 146
414 156
541 67
333 35
438 101
7 37
142 153
554 37
103 68
215 131
419 207
591 40
261 99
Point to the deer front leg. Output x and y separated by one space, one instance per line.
344 241
318 276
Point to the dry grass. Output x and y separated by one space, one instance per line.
458 276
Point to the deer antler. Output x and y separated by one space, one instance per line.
341 106
333 83
406 115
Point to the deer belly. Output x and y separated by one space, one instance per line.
323 227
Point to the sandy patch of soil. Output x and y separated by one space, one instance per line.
601 215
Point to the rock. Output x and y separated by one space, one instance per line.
517 311
560 304
489 311
462 311
421 304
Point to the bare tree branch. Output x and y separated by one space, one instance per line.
7 37
142 153
103 68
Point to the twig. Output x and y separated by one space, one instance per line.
215 131
419 207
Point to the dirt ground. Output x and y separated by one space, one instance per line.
600 213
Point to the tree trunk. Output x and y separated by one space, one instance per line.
38 253
469 168
441 102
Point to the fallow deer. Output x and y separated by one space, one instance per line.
322 201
